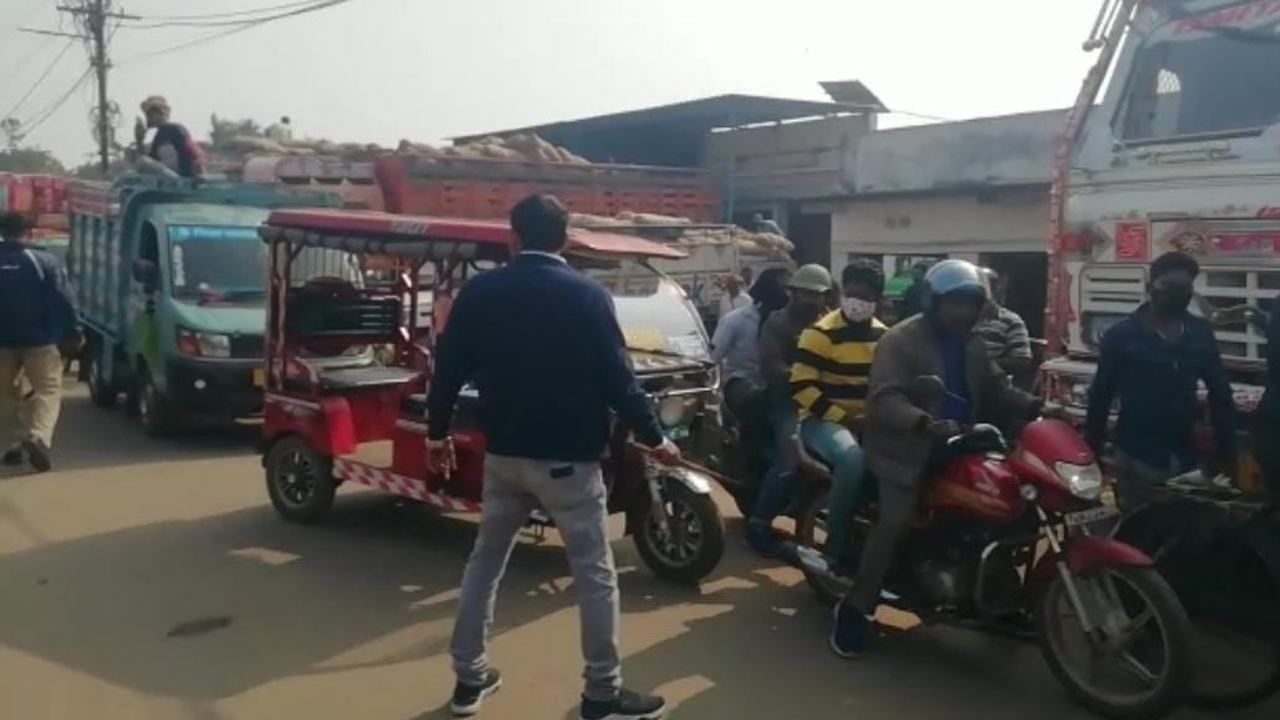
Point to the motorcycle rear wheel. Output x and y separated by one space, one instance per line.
1147 604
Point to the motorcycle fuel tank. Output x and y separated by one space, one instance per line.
978 486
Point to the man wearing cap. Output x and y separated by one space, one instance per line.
809 288
172 145
40 313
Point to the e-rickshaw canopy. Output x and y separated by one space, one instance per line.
417 237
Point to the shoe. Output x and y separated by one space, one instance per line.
627 706
38 455
850 631
764 541
13 457
467 699
844 570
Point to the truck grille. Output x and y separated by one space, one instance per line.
247 346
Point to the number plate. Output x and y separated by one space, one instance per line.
259 377
1089 517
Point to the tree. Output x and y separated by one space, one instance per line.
30 160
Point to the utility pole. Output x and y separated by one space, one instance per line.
91 19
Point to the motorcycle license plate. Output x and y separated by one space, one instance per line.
1091 516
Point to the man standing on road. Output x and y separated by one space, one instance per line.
1266 427
913 296
1154 361
733 298
543 345
39 314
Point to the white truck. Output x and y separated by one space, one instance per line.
1180 152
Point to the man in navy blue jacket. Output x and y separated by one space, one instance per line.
1153 362
39 313
542 343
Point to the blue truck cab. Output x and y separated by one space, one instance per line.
171 277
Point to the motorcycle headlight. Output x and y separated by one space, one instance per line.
675 411
1085 481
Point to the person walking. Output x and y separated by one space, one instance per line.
40 314
1154 361
543 345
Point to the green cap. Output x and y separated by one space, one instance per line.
812 277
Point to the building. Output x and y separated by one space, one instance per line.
976 189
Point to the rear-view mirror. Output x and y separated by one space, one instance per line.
146 273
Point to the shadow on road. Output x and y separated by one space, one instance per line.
93 438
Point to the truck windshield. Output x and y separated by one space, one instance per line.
1197 77
653 311
222 262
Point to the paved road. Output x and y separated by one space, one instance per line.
151 579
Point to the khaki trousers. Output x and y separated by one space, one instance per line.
37 368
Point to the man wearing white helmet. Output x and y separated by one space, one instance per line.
903 428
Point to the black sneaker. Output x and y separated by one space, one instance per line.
13 457
38 455
627 706
467 699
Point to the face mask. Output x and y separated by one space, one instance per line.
858 310
1171 300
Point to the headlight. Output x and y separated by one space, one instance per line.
202 344
674 411
1085 481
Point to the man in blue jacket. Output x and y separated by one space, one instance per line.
1153 362
542 343
39 314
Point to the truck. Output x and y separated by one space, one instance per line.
1181 151
170 275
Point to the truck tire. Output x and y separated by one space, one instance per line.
300 480
102 391
155 412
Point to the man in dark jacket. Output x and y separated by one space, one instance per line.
172 144
39 314
1266 428
543 345
1153 362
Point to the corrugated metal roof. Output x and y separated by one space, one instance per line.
668 134
986 152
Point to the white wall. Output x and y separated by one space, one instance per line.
1012 220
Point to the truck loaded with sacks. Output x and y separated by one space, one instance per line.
1181 151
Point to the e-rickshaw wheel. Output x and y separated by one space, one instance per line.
300 480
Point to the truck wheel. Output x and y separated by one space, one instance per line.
300 480
102 391
155 412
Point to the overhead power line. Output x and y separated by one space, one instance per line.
238 27
300 9
40 80
43 116
233 13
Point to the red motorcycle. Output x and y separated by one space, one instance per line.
1005 541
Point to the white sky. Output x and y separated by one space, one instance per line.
382 70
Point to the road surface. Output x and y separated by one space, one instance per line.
146 579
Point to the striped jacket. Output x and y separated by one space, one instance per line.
832 365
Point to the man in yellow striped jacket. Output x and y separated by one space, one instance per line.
829 381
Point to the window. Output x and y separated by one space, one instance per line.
1215 81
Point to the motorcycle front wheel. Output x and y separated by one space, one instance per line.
1135 664
691 545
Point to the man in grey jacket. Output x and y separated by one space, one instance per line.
904 429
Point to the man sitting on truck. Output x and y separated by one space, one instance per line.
1154 361
172 145
39 314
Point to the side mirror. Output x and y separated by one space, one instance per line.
146 274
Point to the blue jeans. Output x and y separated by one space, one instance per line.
836 445
775 487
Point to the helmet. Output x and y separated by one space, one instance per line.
955 277
812 277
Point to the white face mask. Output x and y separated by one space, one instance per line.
858 310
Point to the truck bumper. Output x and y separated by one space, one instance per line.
216 389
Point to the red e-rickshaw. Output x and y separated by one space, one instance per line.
348 371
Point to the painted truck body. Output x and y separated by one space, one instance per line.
1181 152
171 279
